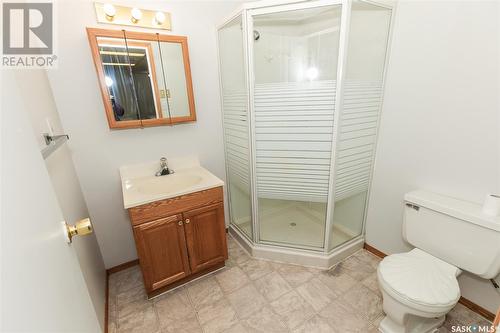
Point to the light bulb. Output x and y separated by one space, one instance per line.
109 81
109 10
312 73
160 18
136 14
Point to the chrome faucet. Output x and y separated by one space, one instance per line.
164 170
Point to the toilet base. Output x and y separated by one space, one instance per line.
415 325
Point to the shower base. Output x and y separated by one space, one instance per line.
297 256
295 223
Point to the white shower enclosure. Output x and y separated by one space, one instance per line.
301 87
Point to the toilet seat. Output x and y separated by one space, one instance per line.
420 280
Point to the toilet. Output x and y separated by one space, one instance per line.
420 287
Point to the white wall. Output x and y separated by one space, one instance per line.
40 107
440 119
97 151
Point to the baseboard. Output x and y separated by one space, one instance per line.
122 267
110 271
476 308
496 322
374 251
106 304
464 301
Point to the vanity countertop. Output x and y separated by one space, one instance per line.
140 185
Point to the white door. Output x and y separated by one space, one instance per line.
42 286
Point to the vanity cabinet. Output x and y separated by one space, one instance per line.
180 238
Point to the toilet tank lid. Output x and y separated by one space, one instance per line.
460 209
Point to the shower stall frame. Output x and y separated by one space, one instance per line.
299 254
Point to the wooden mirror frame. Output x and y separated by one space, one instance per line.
94 33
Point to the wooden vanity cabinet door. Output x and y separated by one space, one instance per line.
161 246
205 236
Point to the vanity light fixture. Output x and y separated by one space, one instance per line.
109 81
110 11
160 18
136 14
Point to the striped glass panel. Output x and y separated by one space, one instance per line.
235 118
358 119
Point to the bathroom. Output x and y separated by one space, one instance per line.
295 230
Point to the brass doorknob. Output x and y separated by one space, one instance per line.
187 221
81 228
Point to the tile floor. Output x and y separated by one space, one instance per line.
252 295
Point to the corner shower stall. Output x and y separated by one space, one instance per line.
301 88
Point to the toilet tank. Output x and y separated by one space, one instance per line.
453 230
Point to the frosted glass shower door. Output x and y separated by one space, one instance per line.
358 118
295 66
235 111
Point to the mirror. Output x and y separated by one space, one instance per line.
145 78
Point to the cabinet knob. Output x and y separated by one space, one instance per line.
187 221
179 223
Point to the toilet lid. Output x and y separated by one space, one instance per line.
421 278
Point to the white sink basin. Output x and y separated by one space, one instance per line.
167 184
140 185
